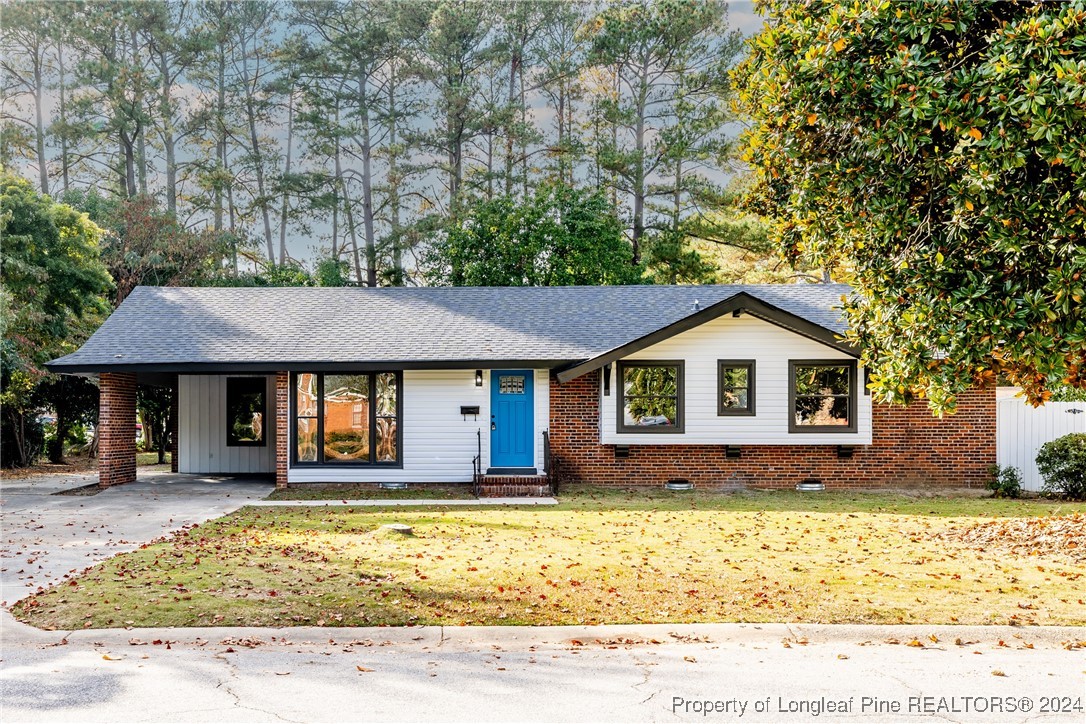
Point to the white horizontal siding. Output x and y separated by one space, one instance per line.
739 338
201 427
438 443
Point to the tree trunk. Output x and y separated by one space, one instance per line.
128 163
168 140
639 171
141 140
220 144
64 164
367 186
56 447
285 204
39 127
394 183
259 163
514 62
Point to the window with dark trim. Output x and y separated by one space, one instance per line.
348 419
821 396
246 411
650 396
735 387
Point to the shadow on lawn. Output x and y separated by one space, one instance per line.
917 501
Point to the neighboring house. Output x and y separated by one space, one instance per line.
720 385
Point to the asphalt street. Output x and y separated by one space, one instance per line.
722 672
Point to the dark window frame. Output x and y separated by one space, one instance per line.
723 411
680 396
251 380
852 396
320 462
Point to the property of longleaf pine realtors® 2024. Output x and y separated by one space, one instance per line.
875 705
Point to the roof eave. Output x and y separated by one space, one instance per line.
263 367
740 302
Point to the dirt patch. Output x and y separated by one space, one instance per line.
73 464
1056 535
91 489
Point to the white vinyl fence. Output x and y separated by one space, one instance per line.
1021 430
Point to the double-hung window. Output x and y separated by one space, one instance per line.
650 397
822 396
348 419
735 387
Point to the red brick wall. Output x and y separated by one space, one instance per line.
909 447
282 427
116 429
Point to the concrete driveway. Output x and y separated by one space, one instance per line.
45 537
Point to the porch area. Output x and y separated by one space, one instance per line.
296 428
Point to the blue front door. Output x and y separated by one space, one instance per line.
511 419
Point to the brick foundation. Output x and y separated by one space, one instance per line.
116 429
282 428
909 447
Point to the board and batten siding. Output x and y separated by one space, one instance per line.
439 444
201 445
736 338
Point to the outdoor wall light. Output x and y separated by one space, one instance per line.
478 378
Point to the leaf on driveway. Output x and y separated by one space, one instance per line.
363 668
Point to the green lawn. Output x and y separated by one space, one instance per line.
602 557
150 458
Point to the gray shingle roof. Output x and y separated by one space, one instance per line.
163 327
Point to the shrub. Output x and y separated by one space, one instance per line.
1006 482
1062 463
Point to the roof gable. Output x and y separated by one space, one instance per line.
741 303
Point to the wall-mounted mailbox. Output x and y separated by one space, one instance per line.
466 410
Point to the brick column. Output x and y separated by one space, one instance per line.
116 429
282 427
174 423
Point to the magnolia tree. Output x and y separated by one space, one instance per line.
932 155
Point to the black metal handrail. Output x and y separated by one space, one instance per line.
548 463
477 464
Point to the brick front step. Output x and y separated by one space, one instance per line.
513 486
